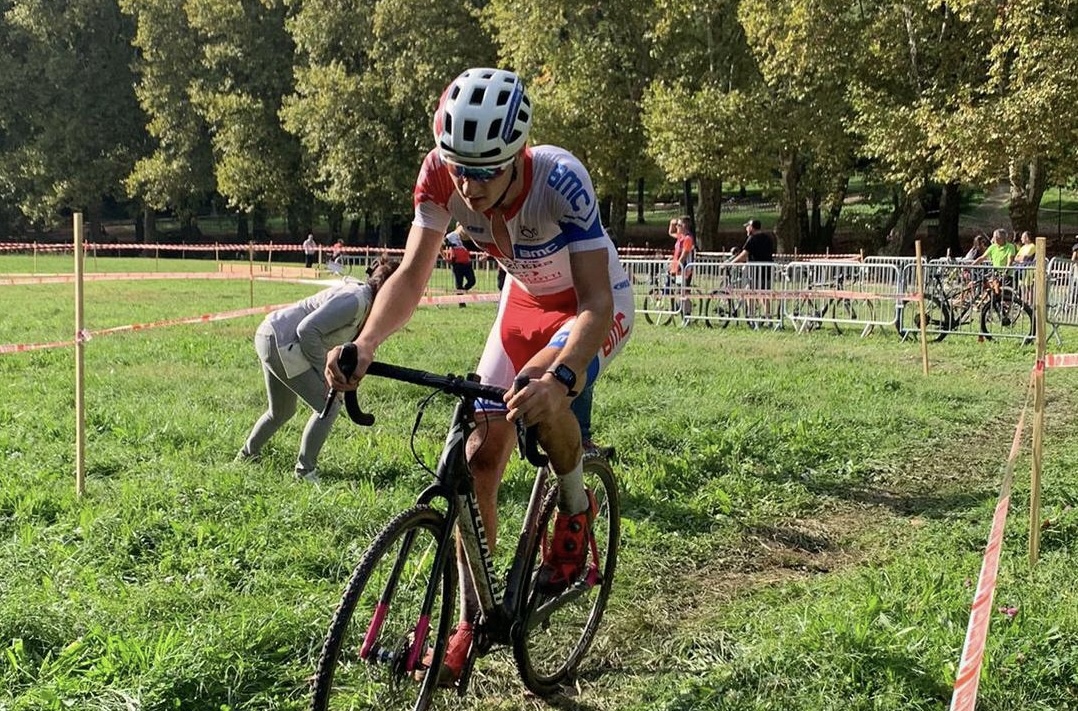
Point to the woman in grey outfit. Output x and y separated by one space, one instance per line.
292 343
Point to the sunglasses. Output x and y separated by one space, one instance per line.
477 174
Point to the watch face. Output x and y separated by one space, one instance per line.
565 374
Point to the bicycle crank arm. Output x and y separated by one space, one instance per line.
542 613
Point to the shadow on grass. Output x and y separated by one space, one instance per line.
943 502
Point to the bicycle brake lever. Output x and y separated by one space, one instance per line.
527 437
347 362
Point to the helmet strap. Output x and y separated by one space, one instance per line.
512 179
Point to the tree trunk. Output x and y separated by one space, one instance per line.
243 231
148 225
909 216
640 201
385 229
335 218
619 212
707 229
950 197
1027 188
787 227
687 200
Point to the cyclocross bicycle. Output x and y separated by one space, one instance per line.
392 625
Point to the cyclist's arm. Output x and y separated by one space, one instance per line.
595 314
394 304
742 256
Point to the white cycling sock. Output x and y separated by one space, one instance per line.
572 498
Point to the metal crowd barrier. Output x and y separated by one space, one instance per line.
970 299
841 294
1062 276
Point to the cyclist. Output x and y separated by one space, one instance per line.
565 312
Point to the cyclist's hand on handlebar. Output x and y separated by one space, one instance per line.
336 379
542 399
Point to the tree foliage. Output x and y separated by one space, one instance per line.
71 127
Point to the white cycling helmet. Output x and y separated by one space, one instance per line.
483 118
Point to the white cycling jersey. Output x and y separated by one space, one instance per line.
557 216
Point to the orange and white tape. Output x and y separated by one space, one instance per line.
969 670
86 335
1063 360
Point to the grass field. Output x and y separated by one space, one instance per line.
804 516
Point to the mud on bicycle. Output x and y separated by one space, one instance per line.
390 632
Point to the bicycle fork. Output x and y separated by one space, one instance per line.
373 652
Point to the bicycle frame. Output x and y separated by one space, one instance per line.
453 484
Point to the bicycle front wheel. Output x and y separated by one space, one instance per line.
659 307
718 310
557 630
392 622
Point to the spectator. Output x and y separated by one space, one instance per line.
460 260
1027 251
1000 253
336 258
980 244
684 250
758 250
310 250
292 344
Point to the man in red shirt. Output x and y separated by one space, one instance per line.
460 260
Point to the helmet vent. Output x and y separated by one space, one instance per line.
494 130
477 96
469 130
503 97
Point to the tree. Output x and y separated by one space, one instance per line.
1022 123
367 82
177 173
586 68
804 54
699 114
72 128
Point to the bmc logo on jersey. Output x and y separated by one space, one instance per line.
617 334
543 250
568 184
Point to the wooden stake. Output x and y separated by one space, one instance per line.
921 304
80 347
1040 323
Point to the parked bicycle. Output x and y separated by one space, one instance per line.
728 302
955 297
809 311
389 635
667 299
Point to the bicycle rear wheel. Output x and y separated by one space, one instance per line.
1007 315
557 630
400 601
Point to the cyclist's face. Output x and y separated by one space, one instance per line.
480 192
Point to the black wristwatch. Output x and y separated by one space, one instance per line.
564 375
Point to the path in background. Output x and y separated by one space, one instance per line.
992 213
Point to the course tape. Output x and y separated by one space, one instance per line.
969 669
86 335
1063 360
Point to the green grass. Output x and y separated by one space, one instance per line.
804 516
